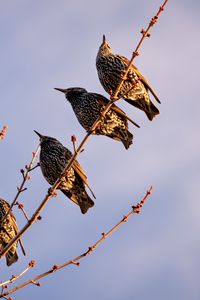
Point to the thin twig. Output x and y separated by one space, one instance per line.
21 207
75 261
25 176
73 139
14 277
113 99
36 166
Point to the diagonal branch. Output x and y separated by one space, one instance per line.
113 99
14 277
135 210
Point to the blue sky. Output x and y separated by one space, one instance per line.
47 44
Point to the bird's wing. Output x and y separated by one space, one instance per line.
146 84
142 78
78 169
104 101
16 229
13 222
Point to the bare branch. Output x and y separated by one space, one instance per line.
26 176
75 261
14 277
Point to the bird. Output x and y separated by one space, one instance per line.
8 230
53 160
111 69
87 108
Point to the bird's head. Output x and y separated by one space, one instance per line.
72 92
105 48
44 138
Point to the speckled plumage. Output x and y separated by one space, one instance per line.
7 232
87 108
53 159
111 68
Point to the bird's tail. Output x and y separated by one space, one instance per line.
81 198
152 111
148 107
85 202
123 135
127 140
11 256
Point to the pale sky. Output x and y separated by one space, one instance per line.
47 44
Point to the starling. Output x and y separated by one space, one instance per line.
8 230
87 108
111 69
53 160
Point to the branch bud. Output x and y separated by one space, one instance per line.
135 53
124 219
90 249
55 268
32 263
142 31
73 138
20 205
